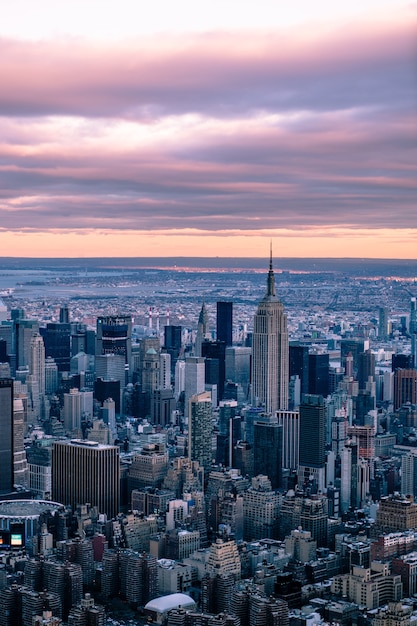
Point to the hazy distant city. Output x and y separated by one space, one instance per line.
190 441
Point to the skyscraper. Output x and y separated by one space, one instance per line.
114 336
203 329
200 430
6 435
224 322
86 471
312 438
270 351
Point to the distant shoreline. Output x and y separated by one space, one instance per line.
386 267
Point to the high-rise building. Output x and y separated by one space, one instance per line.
318 374
215 351
20 465
194 379
270 351
405 387
57 338
173 344
114 336
299 364
24 330
267 451
224 322
290 422
312 438
352 347
203 329
366 367
72 411
200 430
383 329
51 376
85 471
37 361
6 435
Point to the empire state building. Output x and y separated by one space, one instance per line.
270 351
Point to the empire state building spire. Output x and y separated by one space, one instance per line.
270 352
271 276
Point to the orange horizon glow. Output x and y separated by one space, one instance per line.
331 243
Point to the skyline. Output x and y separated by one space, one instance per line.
182 134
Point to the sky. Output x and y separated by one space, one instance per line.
180 128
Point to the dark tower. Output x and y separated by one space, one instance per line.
366 367
57 339
224 322
215 372
267 451
6 435
312 431
299 364
318 374
173 344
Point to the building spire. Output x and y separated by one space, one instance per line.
271 277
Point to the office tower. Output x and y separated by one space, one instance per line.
261 506
215 372
149 467
366 367
401 361
4 357
114 336
267 451
312 439
290 422
318 374
85 471
111 367
200 430
104 389
299 364
203 330
164 370
51 376
224 322
405 387
72 410
348 365
238 360
173 344
24 330
355 347
364 403
37 361
6 435
163 406
336 375
194 379
57 339
150 379
383 329
82 340
3 312
413 330
270 351
20 465
108 415
64 317
80 363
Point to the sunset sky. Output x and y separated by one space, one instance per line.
184 128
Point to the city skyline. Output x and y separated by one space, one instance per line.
178 132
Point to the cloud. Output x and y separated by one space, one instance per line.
217 74
211 133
